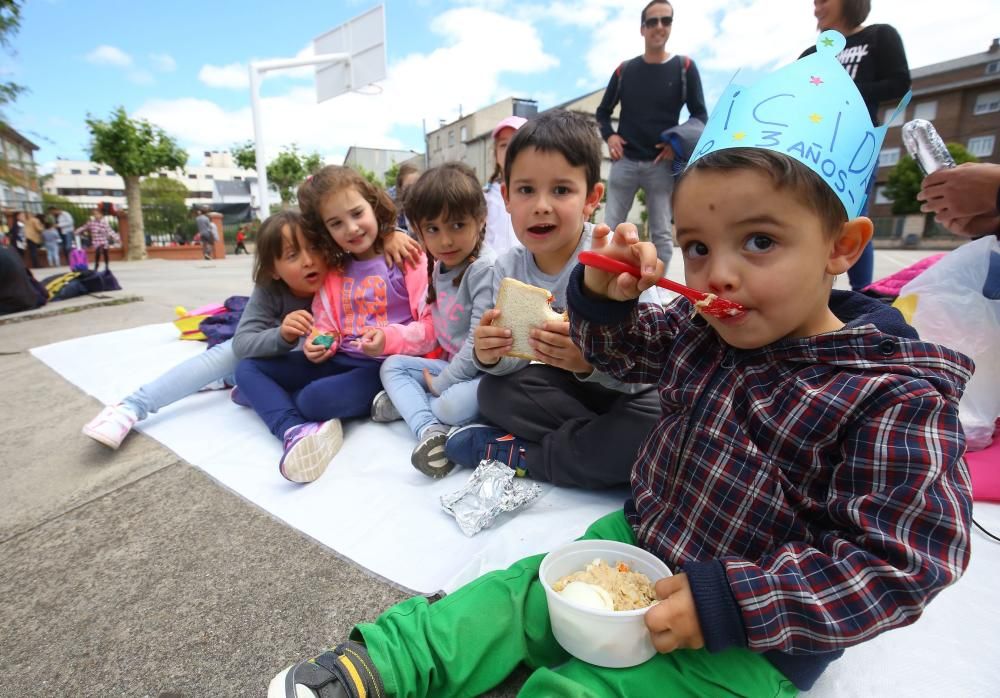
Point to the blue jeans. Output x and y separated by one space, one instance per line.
218 362
629 176
290 390
403 378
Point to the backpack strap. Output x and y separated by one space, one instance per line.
686 63
620 72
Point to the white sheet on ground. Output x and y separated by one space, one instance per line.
372 507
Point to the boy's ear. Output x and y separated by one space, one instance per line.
593 200
848 244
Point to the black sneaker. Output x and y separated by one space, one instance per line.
346 671
428 455
468 446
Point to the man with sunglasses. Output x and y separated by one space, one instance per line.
652 89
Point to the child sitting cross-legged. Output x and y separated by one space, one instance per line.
805 482
550 419
447 210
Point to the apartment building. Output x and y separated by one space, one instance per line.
19 188
962 98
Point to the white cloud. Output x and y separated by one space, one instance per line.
465 69
109 55
233 76
163 62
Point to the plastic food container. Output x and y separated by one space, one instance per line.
613 639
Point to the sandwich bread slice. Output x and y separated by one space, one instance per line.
523 307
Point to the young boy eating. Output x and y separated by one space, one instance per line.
552 418
805 482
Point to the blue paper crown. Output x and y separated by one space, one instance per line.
811 111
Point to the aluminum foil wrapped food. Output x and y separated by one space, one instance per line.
925 146
490 491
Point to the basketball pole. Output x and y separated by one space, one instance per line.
257 70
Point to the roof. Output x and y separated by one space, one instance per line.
955 64
8 132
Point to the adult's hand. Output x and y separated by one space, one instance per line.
616 146
961 193
666 152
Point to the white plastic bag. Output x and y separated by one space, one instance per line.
950 309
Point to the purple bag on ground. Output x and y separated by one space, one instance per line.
222 326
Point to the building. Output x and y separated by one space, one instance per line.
962 98
87 183
469 138
379 160
19 188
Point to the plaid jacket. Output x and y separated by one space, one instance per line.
813 490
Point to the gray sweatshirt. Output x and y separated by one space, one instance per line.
259 331
456 313
518 263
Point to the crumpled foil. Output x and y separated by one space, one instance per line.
490 491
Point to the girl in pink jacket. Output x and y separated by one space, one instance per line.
365 311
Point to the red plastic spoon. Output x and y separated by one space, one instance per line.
707 303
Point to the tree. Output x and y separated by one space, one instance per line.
905 178
10 24
285 172
389 178
366 173
163 207
134 148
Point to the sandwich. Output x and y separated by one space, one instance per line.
523 307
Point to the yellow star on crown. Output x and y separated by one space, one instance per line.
815 118
739 136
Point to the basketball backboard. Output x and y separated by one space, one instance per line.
363 39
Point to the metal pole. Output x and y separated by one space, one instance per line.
256 70
263 205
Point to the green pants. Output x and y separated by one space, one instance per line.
471 640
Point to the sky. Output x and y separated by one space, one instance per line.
182 64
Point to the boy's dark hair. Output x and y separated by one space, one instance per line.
404 170
450 190
855 11
642 18
270 243
330 180
786 174
572 135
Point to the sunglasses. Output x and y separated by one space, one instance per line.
653 21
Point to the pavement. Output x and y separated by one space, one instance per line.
131 573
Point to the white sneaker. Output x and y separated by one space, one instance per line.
309 448
111 426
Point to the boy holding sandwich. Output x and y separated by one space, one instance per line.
552 418
805 483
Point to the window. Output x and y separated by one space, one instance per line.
982 146
95 171
451 138
465 134
925 110
993 68
237 178
95 192
898 121
888 157
209 176
437 142
987 103
192 176
880 197
76 171
162 175
110 173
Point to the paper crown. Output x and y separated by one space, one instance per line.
811 111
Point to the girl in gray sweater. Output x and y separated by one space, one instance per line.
447 208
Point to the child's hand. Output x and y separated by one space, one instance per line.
316 353
372 341
429 381
623 245
673 622
296 324
552 344
399 248
491 343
